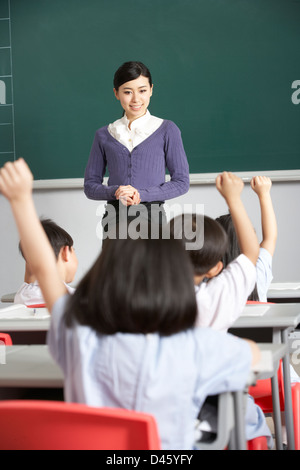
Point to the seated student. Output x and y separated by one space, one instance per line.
29 292
222 293
261 185
218 288
126 337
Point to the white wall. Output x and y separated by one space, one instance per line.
81 218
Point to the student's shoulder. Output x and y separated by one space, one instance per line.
241 262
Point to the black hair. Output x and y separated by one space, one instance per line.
57 236
213 236
136 286
233 250
130 71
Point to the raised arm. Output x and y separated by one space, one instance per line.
230 187
16 186
261 185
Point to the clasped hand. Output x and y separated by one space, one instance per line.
128 195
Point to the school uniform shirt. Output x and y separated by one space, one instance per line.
264 274
138 158
168 377
221 300
31 294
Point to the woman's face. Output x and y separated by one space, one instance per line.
134 97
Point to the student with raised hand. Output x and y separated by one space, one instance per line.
222 293
29 292
126 337
136 150
218 288
261 185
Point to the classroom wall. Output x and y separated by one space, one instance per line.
81 218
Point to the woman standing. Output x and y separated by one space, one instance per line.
136 150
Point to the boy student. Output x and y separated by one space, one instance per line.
29 292
223 296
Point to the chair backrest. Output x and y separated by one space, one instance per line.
5 338
50 425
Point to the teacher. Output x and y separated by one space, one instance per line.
136 150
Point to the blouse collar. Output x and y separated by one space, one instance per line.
139 123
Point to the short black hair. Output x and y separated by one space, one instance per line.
136 286
57 236
215 240
130 71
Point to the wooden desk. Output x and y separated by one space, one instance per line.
279 319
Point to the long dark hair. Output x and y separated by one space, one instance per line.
213 236
130 71
233 250
136 286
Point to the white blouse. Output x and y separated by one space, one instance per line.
139 130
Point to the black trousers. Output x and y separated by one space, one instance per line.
136 219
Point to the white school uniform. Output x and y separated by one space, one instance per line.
220 302
31 294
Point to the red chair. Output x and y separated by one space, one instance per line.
262 394
6 339
50 425
259 443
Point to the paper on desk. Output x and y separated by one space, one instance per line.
21 312
284 286
255 310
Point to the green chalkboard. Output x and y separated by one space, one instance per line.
227 72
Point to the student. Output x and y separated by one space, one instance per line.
218 288
126 337
261 185
222 293
136 150
29 292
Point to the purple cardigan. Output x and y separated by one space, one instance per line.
144 168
